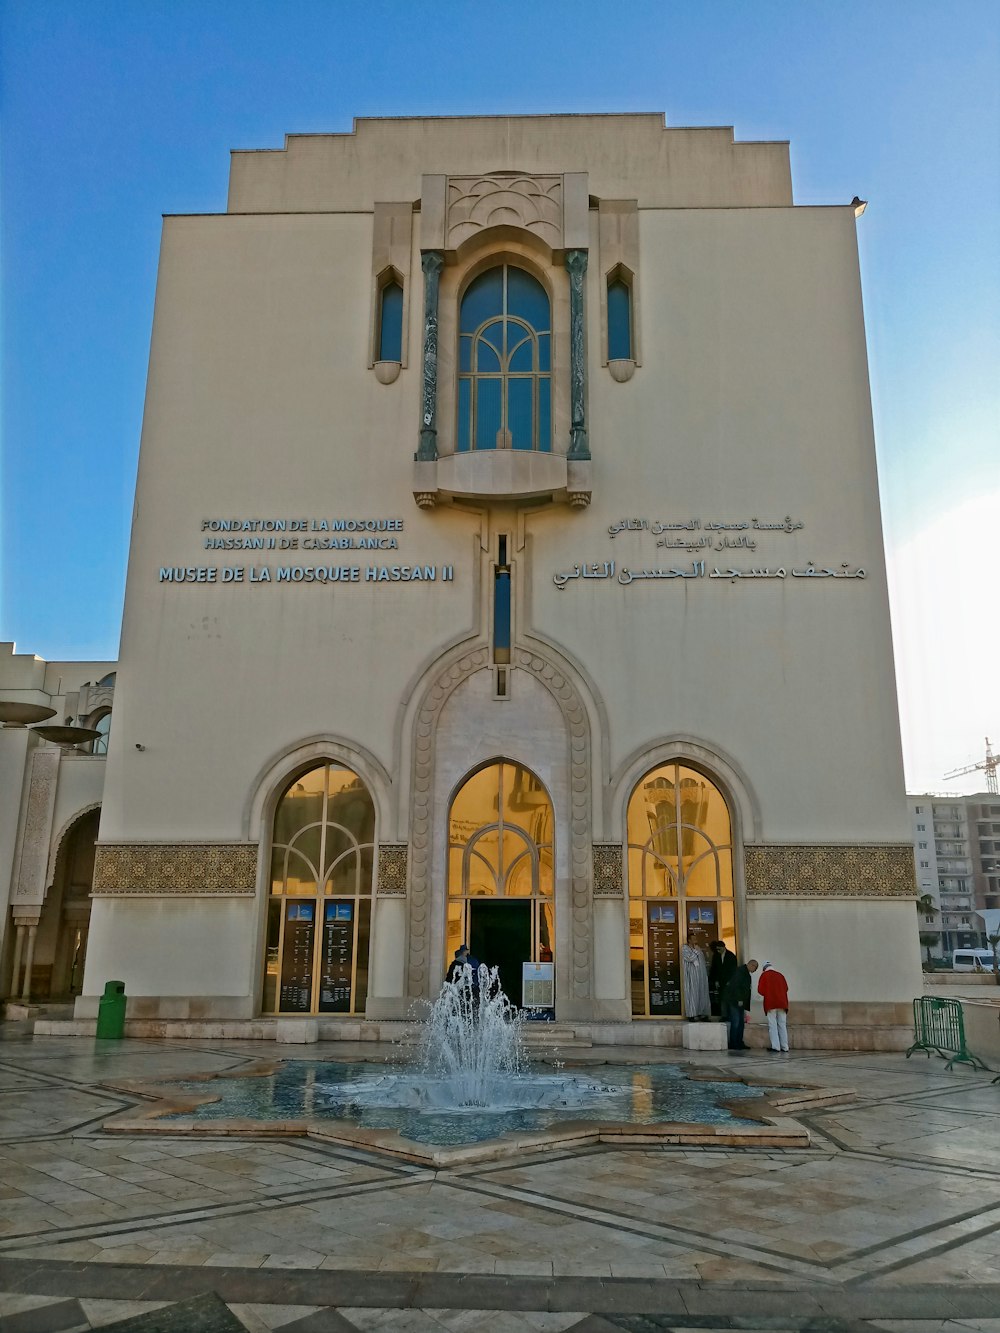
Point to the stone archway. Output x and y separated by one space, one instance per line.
547 691
60 944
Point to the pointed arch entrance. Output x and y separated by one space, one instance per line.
54 966
501 871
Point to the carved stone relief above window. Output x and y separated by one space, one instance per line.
458 210
93 697
477 202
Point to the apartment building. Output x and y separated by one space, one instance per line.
956 846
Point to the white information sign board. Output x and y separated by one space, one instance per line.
538 985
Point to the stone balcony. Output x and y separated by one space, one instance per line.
502 474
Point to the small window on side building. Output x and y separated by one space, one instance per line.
619 319
390 322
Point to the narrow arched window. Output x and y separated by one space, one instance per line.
390 322
504 363
619 320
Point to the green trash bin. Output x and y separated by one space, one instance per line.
111 1012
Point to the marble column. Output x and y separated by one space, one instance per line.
432 263
29 960
576 266
15 975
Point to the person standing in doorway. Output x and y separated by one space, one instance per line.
696 1000
736 1002
720 969
773 990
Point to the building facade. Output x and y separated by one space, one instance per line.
956 846
983 817
50 803
506 567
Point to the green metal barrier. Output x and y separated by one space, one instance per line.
939 1025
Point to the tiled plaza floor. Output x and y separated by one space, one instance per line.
891 1220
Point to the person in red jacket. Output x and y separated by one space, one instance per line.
773 990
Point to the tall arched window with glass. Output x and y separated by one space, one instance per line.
319 911
505 363
102 725
680 882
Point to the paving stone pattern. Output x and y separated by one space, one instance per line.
890 1221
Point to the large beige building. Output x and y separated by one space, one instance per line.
506 566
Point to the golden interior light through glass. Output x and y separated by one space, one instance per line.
319 914
501 849
680 881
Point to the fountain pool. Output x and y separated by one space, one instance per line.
470 1081
317 1090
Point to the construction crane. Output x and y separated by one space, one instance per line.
990 765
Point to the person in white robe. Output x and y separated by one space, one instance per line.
696 999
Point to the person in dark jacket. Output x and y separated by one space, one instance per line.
736 1002
462 959
720 969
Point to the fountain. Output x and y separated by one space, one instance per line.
471 1059
471 1042
67 738
16 714
470 1090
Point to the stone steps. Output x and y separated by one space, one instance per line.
20 1009
540 1037
20 1016
553 1036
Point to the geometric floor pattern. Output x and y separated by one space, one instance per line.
890 1220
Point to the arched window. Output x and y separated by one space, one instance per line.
319 913
619 318
390 322
500 871
504 363
103 725
680 881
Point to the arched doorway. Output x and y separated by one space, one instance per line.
61 942
500 871
680 881
319 909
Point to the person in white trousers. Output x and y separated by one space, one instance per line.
773 990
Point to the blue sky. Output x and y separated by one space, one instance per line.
116 111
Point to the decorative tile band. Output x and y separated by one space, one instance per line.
860 870
392 869
166 868
608 881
